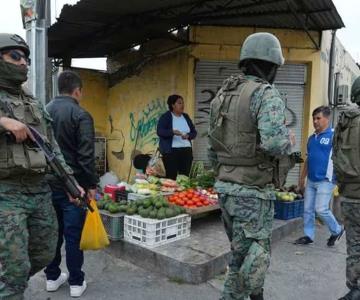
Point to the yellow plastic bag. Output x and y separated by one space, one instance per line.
93 236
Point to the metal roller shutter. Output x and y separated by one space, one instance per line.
290 81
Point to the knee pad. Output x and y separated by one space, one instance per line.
254 267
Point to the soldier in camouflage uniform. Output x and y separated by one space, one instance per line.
247 136
28 231
349 188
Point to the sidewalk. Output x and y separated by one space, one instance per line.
313 272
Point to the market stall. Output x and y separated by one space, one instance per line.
151 211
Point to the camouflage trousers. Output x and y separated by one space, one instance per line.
351 213
28 237
248 224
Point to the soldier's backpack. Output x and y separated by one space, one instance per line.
346 147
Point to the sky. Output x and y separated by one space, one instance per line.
10 21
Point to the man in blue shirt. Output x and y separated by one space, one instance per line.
318 169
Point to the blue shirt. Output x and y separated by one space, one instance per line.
319 148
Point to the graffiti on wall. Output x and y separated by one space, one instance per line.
143 123
116 140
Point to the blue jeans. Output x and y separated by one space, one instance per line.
71 221
317 199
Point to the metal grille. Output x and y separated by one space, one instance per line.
290 81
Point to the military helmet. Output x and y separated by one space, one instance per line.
355 91
262 46
13 41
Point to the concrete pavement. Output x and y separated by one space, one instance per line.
313 272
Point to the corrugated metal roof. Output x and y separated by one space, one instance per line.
94 28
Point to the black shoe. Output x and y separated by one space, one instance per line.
333 238
354 294
257 296
305 240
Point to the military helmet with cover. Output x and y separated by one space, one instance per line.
262 46
355 91
13 41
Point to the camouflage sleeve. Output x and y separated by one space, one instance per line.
211 154
268 110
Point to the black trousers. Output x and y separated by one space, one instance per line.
178 162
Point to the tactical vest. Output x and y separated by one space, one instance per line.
234 136
346 147
21 158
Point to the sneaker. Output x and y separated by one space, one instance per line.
305 240
354 294
53 285
333 238
77 290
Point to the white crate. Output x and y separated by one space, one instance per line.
134 196
152 233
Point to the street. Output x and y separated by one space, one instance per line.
313 272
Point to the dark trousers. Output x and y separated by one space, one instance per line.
178 162
71 221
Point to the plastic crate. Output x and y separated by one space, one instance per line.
152 233
285 210
134 197
114 224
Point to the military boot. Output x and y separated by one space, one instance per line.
257 296
354 294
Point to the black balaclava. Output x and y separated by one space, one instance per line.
12 76
259 68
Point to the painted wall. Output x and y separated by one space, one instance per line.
136 103
95 96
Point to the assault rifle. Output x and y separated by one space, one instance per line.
68 181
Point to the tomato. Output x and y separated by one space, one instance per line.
190 202
198 204
206 203
180 202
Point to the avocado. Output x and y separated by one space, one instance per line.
139 202
144 213
161 214
130 211
147 203
123 208
153 214
169 213
113 208
158 204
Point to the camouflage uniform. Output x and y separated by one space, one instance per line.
28 231
248 211
351 211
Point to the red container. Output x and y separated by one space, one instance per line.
110 189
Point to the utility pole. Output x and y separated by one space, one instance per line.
36 21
